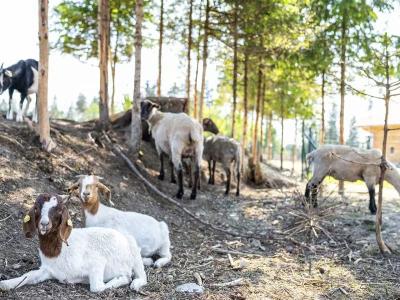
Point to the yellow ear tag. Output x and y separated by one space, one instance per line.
69 223
27 218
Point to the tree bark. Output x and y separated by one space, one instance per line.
136 128
114 60
196 92
44 124
378 223
190 26
260 148
342 86
245 104
322 133
160 42
294 145
258 104
281 156
104 28
205 55
235 66
269 138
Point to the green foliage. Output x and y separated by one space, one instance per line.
127 104
77 29
92 111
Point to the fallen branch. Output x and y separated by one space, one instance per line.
225 251
235 282
134 169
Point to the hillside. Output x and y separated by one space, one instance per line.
341 262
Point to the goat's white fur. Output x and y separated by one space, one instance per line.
172 133
102 257
151 235
44 216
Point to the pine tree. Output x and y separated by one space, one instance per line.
332 134
353 135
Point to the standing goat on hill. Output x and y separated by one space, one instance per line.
348 164
23 77
178 136
221 149
151 236
84 255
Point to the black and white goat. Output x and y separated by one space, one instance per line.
23 77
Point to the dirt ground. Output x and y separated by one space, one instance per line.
339 260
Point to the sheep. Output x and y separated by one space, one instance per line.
348 164
151 236
224 150
84 255
178 136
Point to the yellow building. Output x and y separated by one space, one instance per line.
393 142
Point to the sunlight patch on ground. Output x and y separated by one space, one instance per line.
286 277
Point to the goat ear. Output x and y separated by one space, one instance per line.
65 226
106 191
29 225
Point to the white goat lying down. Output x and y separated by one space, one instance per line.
84 255
348 164
151 236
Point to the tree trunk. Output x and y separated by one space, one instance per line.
104 28
260 148
245 105
269 138
196 92
136 128
188 54
294 145
282 134
342 87
258 104
160 42
322 133
44 124
205 55
114 60
378 223
235 66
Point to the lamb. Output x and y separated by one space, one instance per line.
348 164
178 136
221 149
84 255
151 236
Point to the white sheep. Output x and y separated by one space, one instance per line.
102 257
348 164
178 136
151 236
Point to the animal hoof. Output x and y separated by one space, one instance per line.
137 284
173 180
161 176
237 194
179 195
192 196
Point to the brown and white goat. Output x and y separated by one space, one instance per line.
102 257
151 235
